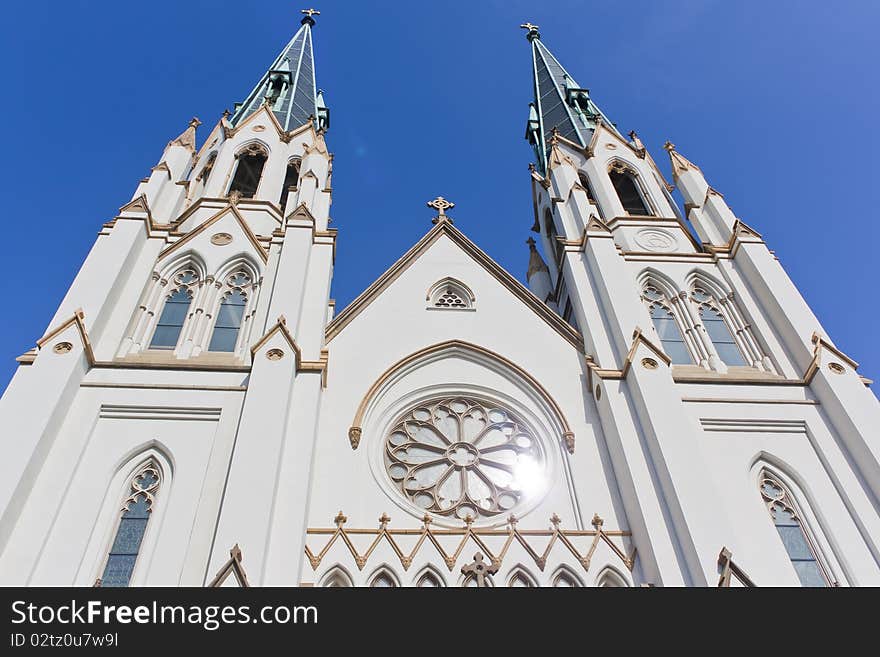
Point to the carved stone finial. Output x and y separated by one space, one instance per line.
555 520
668 146
441 205
340 519
426 520
384 519
194 122
354 436
226 113
468 520
479 569
597 522
235 552
512 520
234 197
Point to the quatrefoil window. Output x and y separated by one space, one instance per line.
460 457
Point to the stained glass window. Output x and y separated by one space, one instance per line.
171 320
666 326
132 525
792 533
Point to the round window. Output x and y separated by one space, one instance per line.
459 457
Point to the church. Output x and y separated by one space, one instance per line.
659 406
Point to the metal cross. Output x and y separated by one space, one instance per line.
479 569
310 12
528 26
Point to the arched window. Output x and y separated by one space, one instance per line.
249 170
801 548
201 180
450 294
520 579
337 578
383 579
291 180
666 326
565 579
552 236
716 328
609 578
135 514
228 322
591 197
429 580
624 180
175 311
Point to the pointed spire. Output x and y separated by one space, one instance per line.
288 87
536 262
187 138
680 163
560 102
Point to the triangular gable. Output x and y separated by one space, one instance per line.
204 226
484 260
602 128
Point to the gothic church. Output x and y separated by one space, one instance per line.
659 407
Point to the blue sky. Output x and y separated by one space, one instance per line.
776 101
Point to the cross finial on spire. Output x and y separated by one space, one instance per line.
532 30
441 205
308 15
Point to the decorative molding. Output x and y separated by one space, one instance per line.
727 568
499 273
480 537
740 425
125 411
252 238
231 567
354 433
78 319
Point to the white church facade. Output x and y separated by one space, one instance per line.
659 398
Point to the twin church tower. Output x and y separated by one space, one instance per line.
658 407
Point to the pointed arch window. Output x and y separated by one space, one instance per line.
383 579
628 190
429 580
666 325
175 311
291 180
553 237
337 578
231 313
610 579
520 579
450 294
135 514
565 580
716 328
202 179
249 170
591 197
798 543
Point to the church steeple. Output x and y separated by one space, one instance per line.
288 87
560 102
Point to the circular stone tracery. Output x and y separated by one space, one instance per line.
461 457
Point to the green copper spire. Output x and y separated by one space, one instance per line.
288 87
560 103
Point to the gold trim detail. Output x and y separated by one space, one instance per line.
354 433
427 534
499 273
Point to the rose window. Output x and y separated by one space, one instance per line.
461 457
